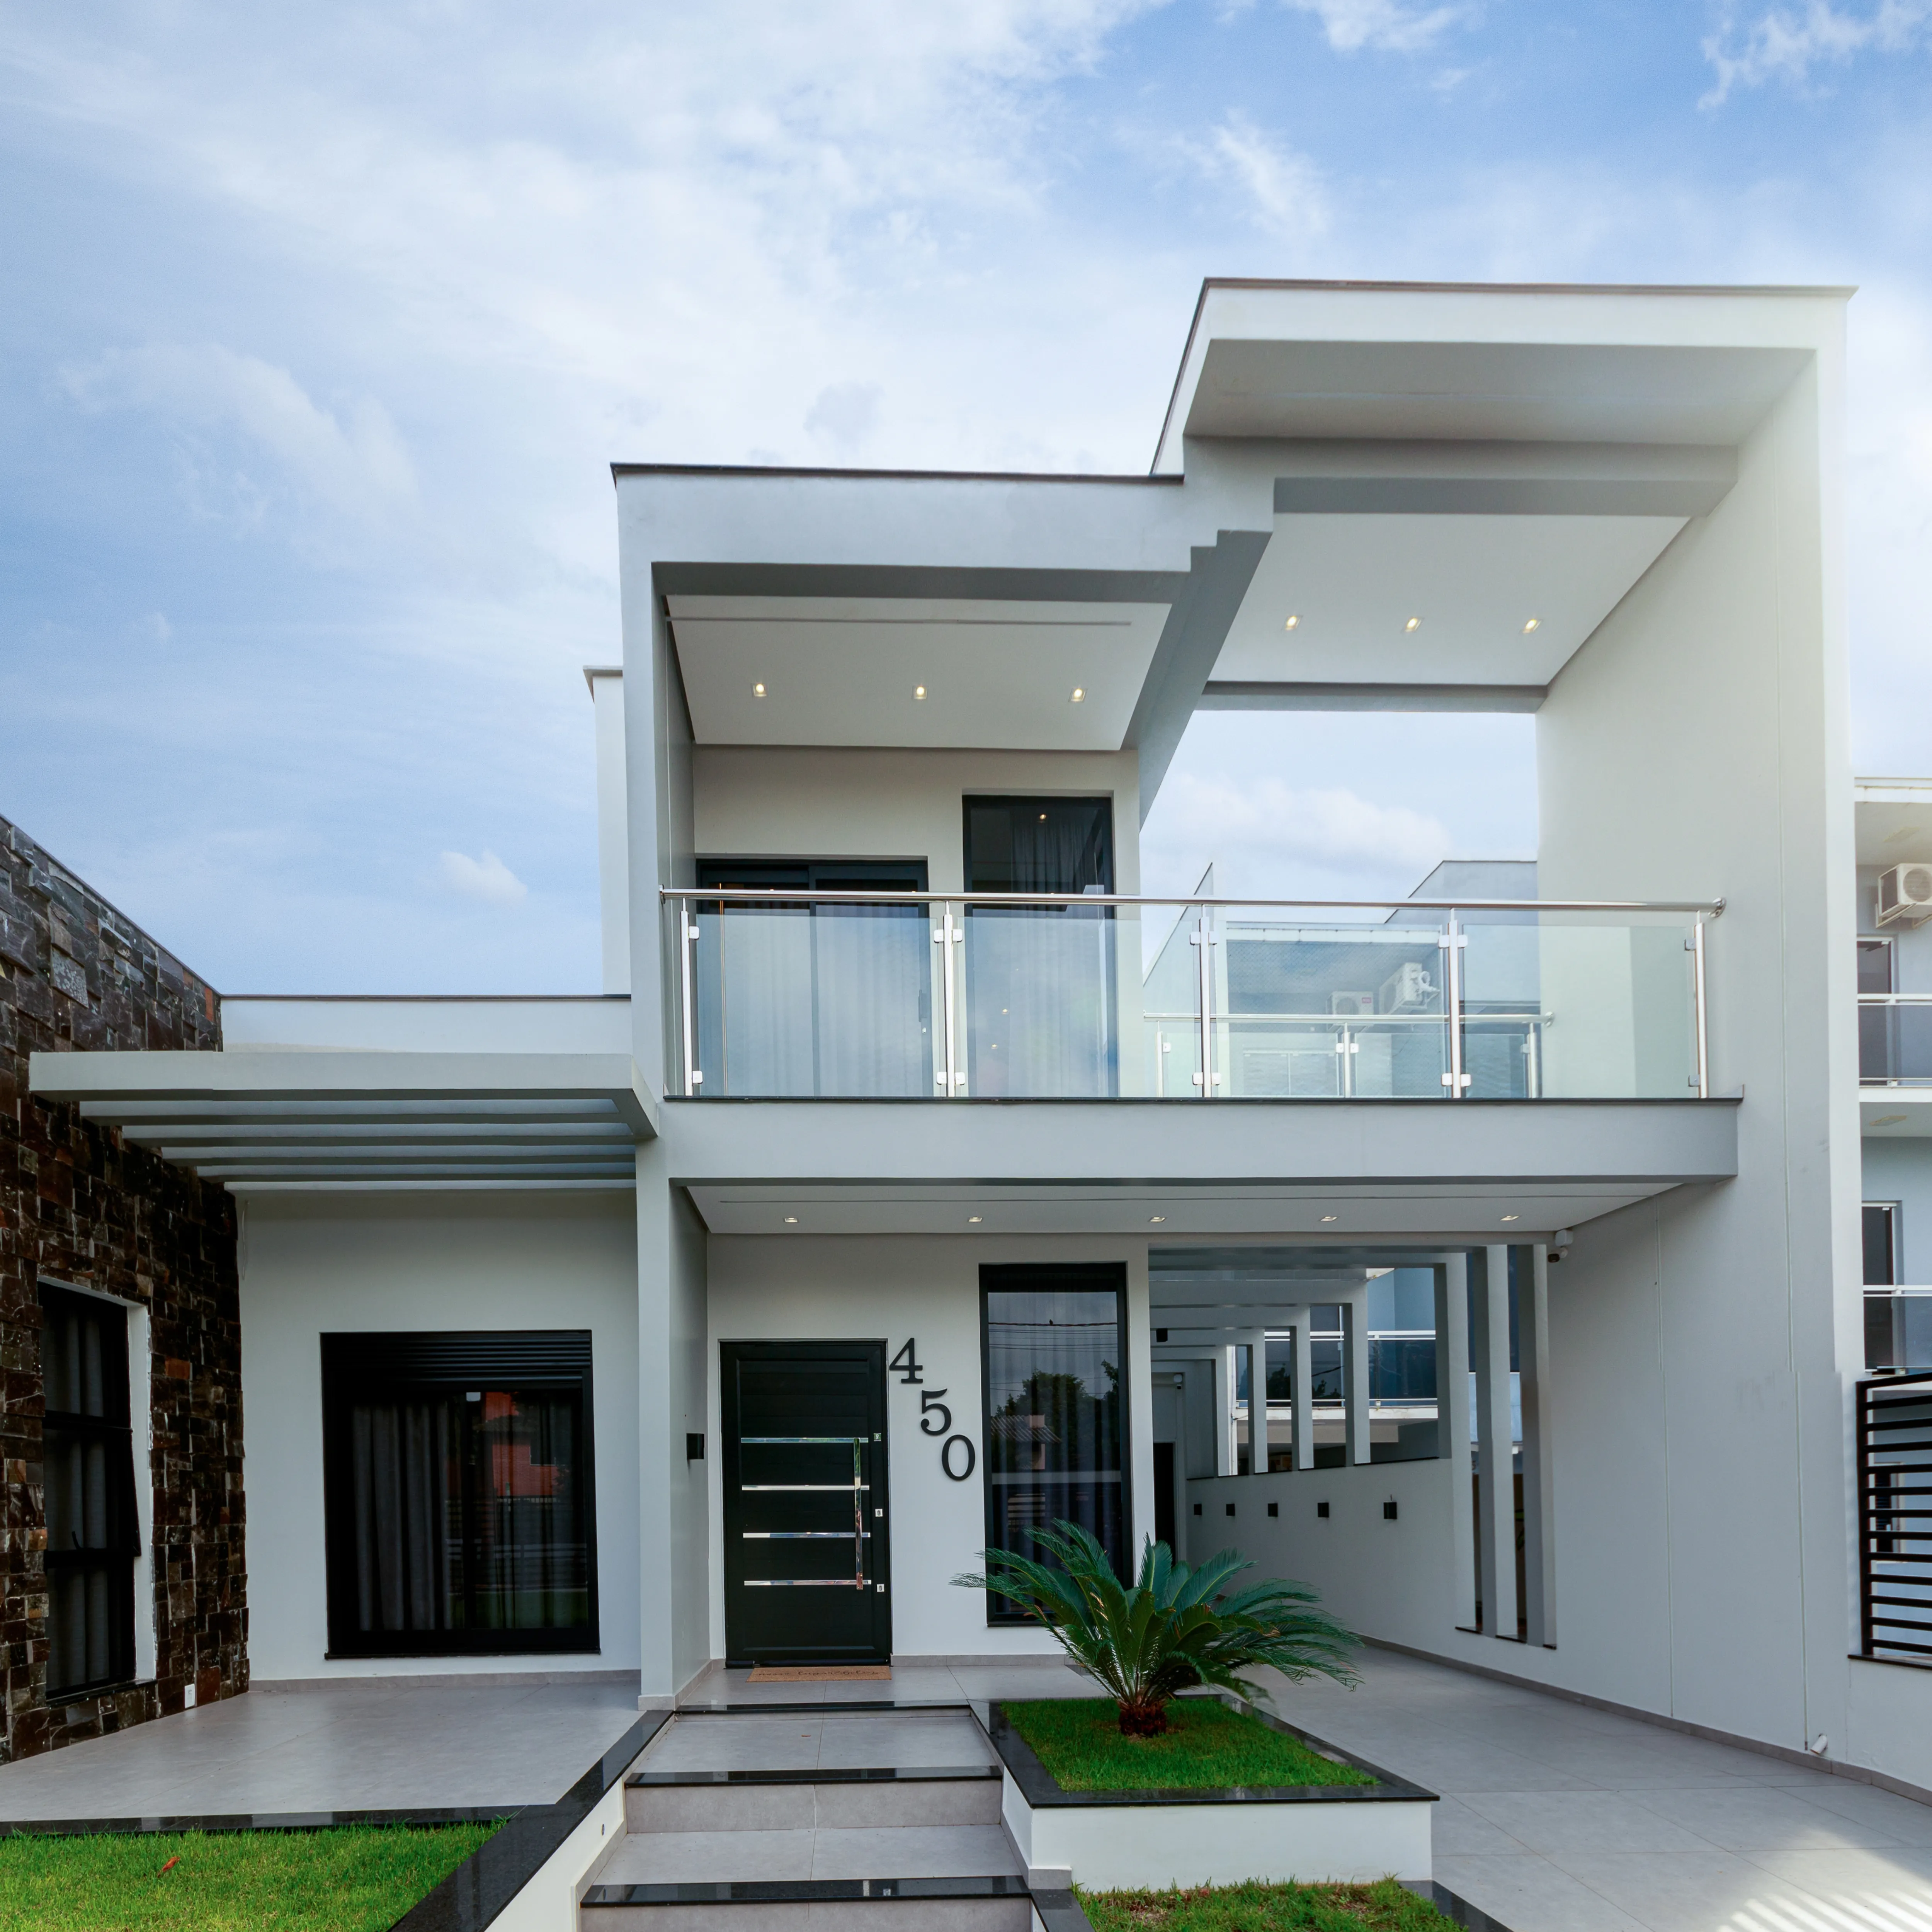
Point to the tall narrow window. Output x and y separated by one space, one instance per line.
1053 1339
457 1473
88 1452
1040 980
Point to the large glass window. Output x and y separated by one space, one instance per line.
457 1477
1056 1419
88 1454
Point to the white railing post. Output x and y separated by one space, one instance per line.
687 935
946 1077
1453 941
1697 1007
1202 938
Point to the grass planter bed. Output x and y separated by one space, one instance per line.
1384 1906
357 1878
1111 1828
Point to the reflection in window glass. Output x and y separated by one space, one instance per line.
1053 1339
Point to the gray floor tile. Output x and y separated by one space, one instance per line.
1761 1817
1688 1891
1556 1822
690 1857
1905 1819
736 1744
1829 1874
913 1851
1455 1829
1530 1895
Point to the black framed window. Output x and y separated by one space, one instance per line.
460 1507
1053 1341
93 1527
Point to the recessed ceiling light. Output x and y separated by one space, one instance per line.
1531 625
791 1220
972 1220
757 690
1331 1217
1156 1218
1413 624
919 691
1291 623
1888 1119
1512 1217
1042 818
1079 694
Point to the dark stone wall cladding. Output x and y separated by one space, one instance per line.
79 1204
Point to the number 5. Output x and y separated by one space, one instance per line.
929 1400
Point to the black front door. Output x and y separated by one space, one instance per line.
807 1577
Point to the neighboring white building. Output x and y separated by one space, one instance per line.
869 1214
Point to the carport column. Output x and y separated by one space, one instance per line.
1539 1508
1224 1464
1303 1396
1355 1373
1495 1499
1452 1428
1256 1344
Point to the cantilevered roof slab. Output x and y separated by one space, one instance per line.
260 1122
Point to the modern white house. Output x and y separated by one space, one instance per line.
916 1180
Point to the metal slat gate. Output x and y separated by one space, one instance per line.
1894 1450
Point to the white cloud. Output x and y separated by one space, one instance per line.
844 414
1284 187
1330 828
1785 44
1351 25
354 462
487 878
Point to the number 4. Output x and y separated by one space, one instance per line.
910 1370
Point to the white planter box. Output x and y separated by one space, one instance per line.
1114 1840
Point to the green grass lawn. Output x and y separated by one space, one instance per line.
1382 1907
357 1878
1206 1745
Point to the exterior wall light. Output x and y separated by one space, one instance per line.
1512 1217
791 1220
1331 1217
974 1220
1156 1218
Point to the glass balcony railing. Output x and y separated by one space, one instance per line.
785 994
1895 1039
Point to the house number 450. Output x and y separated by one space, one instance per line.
957 1456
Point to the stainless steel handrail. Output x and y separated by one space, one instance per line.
801 896
1895 999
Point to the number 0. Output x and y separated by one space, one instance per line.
952 1443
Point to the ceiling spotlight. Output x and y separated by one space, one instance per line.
1331 1217
1413 624
1291 623
919 691
1531 625
1512 1217
1156 1218
757 690
974 1220
791 1220
1079 694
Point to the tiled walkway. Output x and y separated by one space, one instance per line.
357 1746
1558 1818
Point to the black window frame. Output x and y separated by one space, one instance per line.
442 1360
1089 1277
1043 803
119 1554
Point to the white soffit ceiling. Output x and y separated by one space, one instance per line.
1354 582
842 670
1893 821
1518 391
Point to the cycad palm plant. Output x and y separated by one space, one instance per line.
1172 1628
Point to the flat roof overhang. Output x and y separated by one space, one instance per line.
1277 1168
261 1122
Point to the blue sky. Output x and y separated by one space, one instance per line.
322 325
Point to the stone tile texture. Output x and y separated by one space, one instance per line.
80 1205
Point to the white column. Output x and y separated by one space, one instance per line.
1452 1429
1256 1344
1302 1397
1224 1464
1539 1502
1495 1503
1355 1374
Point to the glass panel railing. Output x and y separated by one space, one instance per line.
1898 1328
1578 1006
1313 1011
1042 1000
1894 1037
802 1000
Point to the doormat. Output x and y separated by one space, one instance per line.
822 1673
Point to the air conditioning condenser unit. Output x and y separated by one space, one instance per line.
1905 896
